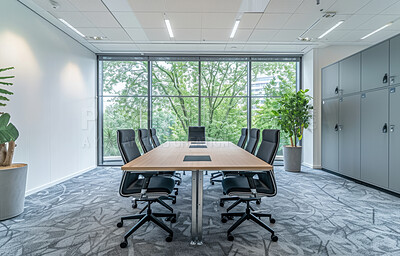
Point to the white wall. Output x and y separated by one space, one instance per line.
53 105
313 62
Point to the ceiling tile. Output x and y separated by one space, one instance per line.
89 5
355 21
242 35
76 19
287 36
187 35
102 19
262 35
63 6
185 20
327 23
147 6
273 21
394 9
283 6
137 34
333 36
219 20
249 20
377 22
118 5
151 20
127 19
310 6
183 6
301 21
376 6
91 32
106 47
220 5
347 7
156 34
216 34
115 34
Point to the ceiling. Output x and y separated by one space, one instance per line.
204 26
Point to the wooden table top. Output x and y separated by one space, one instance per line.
224 156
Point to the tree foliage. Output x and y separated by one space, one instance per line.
175 97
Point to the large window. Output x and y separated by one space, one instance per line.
171 94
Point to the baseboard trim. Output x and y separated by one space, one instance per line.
311 165
55 182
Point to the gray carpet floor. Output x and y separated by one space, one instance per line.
316 213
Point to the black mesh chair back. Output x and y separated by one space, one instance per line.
154 137
253 140
243 138
267 152
129 151
197 133
144 139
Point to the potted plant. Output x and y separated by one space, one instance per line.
293 115
12 176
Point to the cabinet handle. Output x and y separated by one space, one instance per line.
385 77
392 79
392 128
337 90
384 129
336 128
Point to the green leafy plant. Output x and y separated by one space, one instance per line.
8 132
293 114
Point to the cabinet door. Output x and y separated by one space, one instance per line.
350 70
330 81
375 66
374 138
349 136
394 140
395 61
330 135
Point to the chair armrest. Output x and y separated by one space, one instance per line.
147 176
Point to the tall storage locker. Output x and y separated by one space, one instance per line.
330 81
394 139
349 70
374 137
330 134
349 136
395 61
375 67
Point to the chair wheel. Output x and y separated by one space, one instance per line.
168 239
212 182
178 183
258 201
272 220
230 237
120 224
221 204
173 220
176 192
231 217
123 244
224 219
274 238
134 206
174 201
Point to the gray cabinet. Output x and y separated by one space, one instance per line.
375 66
394 140
349 136
374 137
350 70
395 60
330 81
329 134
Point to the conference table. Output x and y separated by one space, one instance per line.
197 157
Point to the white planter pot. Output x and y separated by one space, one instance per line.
292 158
12 190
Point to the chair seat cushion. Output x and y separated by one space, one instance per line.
240 184
158 184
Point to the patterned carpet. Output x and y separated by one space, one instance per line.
316 213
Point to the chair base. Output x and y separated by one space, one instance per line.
147 217
248 215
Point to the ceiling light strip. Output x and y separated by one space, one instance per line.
235 28
379 29
169 28
71 27
330 30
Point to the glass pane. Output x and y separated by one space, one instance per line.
172 116
224 117
125 78
272 78
262 118
175 78
121 113
223 78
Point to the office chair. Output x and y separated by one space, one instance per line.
253 140
143 187
246 188
197 133
241 143
154 138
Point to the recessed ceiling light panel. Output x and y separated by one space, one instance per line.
379 29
